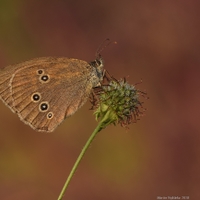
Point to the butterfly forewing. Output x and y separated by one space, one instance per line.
43 92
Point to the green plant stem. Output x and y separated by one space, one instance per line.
89 141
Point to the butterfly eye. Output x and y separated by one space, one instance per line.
44 106
40 71
50 115
44 78
35 97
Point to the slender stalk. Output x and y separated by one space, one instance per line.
89 141
118 103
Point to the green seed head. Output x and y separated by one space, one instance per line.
118 102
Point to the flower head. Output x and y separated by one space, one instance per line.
118 102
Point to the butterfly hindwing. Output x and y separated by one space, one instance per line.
44 91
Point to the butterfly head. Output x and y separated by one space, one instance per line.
97 65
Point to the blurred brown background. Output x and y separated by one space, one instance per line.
158 41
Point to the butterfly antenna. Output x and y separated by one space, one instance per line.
102 46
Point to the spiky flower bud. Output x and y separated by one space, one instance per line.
118 103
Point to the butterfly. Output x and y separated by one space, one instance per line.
44 91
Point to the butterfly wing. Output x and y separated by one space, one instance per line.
44 91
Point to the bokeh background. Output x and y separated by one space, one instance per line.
157 41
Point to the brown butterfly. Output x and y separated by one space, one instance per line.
44 91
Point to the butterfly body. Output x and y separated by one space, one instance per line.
44 91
